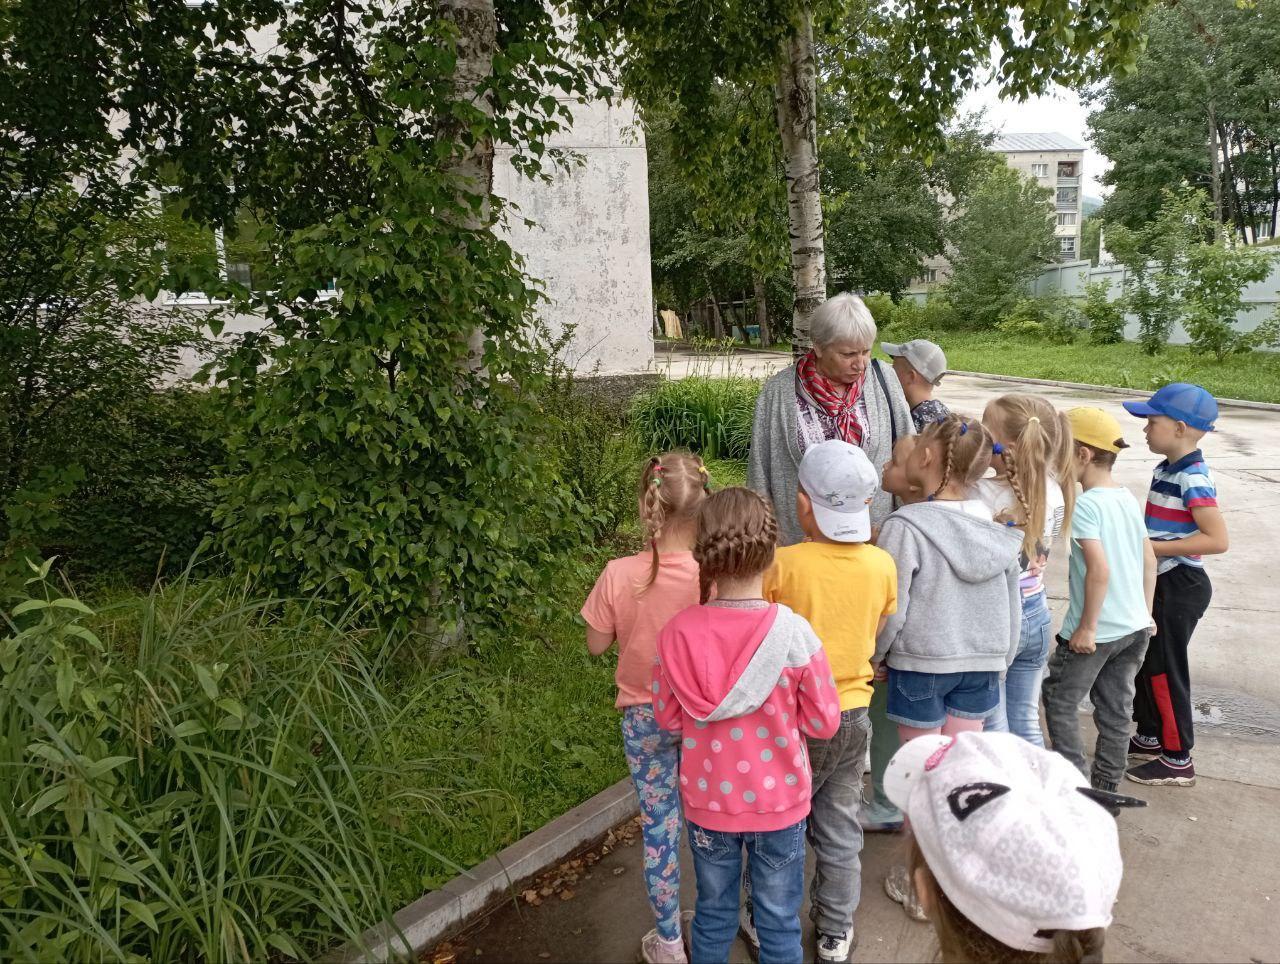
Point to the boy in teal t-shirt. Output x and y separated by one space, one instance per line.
1108 624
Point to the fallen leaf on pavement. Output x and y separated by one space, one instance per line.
619 870
566 894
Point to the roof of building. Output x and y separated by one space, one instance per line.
1036 142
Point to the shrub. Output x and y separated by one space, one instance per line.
1055 318
914 319
710 416
219 778
146 500
1104 316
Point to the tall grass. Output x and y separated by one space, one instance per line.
711 416
209 777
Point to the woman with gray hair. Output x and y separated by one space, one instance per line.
826 394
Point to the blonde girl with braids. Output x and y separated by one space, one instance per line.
956 628
632 600
1033 487
744 682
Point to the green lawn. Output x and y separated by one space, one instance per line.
1255 376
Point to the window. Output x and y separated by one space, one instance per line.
1066 218
1039 170
234 254
1067 245
1068 197
930 276
1068 169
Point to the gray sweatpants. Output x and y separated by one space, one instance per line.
834 832
1106 676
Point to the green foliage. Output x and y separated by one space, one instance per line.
1155 256
1206 62
1215 279
710 416
377 443
1055 318
1002 238
1105 316
1091 239
1177 273
145 501
914 319
207 776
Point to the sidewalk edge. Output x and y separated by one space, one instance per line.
1108 389
435 916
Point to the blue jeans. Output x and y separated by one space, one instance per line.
1019 709
776 859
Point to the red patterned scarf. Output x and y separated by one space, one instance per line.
835 401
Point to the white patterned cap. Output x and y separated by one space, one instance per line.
1012 834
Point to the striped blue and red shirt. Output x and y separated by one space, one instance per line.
1176 489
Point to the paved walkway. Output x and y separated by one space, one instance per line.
1202 866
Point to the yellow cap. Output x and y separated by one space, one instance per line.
1093 426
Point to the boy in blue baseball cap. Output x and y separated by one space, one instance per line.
1184 524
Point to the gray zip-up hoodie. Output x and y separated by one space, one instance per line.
959 605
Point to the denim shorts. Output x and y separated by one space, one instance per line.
925 700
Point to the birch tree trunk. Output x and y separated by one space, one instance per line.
797 108
472 160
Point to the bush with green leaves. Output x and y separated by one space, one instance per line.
1216 276
146 496
1055 318
209 776
709 416
1105 315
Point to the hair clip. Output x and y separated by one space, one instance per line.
1010 524
1034 418
997 449
656 480
964 427
702 469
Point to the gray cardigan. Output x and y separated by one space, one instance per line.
773 464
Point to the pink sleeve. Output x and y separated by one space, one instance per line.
819 701
598 609
666 708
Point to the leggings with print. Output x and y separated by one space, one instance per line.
653 756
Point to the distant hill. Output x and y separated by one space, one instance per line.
1090 204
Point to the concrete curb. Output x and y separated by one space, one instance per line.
443 912
1108 389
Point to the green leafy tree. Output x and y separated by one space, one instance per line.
1216 275
1091 239
1155 258
1201 108
79 238
1104 314
1001 240
903 68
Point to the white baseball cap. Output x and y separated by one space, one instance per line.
840 481
922 355
1013 834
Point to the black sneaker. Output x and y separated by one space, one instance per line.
1161 773
1143 751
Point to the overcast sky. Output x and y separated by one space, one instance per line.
1059 112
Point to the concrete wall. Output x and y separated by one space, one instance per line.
590 244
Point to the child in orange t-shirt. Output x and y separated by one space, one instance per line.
630 603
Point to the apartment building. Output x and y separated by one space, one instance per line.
1056 162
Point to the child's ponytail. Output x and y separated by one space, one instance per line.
1033 425
1064 469
672 486
737 534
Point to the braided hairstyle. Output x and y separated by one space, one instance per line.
672 487
966 449
737 533
1041 450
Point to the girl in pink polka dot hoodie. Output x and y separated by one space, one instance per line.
744 682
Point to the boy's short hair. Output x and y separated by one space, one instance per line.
1100 456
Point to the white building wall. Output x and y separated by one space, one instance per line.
590 243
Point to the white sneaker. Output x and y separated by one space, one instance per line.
748 929
835 947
